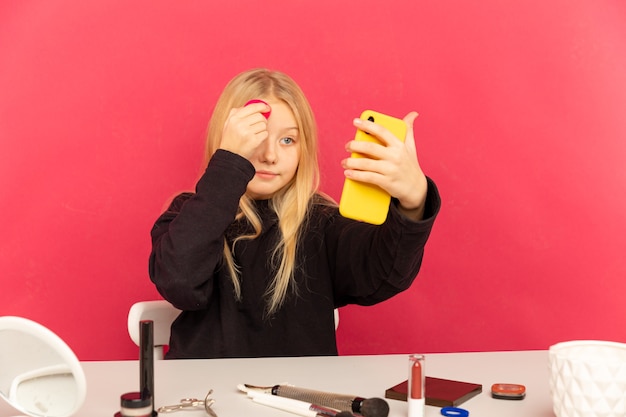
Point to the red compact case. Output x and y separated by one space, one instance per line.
508 391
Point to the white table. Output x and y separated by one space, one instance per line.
365 376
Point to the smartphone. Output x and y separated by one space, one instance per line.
363 201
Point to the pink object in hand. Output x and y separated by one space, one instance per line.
267 113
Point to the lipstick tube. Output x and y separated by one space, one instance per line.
416 399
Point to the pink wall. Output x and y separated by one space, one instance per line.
103 107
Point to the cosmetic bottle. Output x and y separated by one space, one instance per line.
133 405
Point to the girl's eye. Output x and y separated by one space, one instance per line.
287 141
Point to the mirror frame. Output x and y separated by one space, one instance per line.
55 343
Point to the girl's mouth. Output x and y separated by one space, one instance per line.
266 174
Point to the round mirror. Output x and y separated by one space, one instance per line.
39 374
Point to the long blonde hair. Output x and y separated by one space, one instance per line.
292 202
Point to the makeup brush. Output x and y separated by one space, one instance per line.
367 407
298 407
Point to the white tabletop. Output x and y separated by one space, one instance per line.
365 376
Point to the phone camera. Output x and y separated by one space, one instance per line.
371 118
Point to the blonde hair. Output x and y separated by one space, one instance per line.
292 202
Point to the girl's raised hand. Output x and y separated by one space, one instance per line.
245 129
393 166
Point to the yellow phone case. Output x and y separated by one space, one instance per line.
362 201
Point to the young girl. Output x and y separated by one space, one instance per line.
257 258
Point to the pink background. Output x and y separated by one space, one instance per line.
104 105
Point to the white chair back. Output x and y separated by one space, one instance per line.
162 314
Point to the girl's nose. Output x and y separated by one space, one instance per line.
268 151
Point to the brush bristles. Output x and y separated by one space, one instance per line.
374 407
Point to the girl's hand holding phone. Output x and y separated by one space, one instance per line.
391 165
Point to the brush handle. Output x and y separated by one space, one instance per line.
286 404
337 401
146 359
